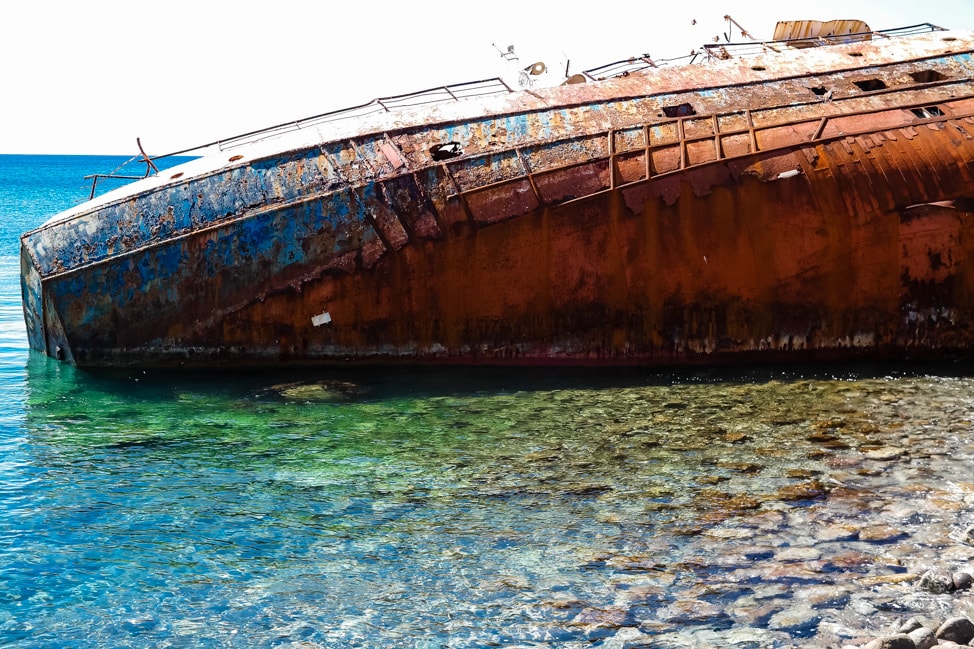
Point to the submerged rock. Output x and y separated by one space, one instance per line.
895 641
603 618
881 534
811 490
910 625
826 596
836 532
962 581
318 390
936 581
797 621
923 638
691 612
628 638
956 629
885 454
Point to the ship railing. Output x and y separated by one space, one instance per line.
714 51
142 158
626 67
497 86
435 95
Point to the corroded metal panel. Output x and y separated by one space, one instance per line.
32 296
187 284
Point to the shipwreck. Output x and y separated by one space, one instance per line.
803 198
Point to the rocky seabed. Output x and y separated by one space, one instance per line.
832 593
820 514
868 546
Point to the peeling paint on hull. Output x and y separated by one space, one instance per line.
582 224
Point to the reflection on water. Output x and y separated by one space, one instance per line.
471 508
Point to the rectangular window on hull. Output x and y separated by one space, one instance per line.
682 110
927 76
927 112
868 85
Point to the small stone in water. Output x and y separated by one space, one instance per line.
691 612
799 553
836 533
826 596
884 454
628 638
811 490
862 607
609 618
957 553
755 616
881 534
798 620
910 625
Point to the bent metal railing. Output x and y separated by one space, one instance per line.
150 168
497 86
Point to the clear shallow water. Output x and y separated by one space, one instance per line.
464 508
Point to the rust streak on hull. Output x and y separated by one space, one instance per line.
596 282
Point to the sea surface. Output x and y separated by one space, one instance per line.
750 507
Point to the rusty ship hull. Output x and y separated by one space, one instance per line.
800 203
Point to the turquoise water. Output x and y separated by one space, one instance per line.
452 508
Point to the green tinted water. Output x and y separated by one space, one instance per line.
461 508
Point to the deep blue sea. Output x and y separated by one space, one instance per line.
753 507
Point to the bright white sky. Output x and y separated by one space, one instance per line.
90 76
